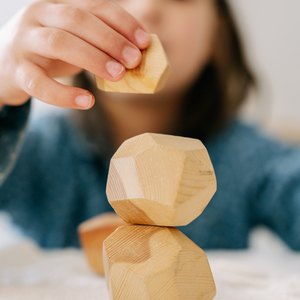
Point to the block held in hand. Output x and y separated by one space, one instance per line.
148 78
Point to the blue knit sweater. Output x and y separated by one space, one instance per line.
56 183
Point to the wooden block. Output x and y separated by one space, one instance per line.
155 263
93 232
157 179
148 78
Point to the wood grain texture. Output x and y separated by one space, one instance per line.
157 179
93 232
157 263
148 78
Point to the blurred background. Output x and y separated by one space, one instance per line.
271 35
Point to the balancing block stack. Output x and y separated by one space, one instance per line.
156 182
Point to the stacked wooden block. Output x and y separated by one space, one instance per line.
157 182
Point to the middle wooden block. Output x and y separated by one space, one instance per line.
157 179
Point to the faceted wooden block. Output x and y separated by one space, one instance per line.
157 179
148 78
93 232
155 263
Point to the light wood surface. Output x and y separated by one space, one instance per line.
148 78
157 179
93 232
267 270
157 263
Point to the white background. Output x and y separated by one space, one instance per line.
271 30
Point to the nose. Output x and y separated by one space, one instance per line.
148 12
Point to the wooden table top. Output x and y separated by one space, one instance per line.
267 270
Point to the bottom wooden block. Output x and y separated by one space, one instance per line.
93 232
155 263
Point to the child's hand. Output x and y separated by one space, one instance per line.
60 38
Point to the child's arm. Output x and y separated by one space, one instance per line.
13 122
60 38
278 202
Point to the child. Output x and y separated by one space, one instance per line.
60 173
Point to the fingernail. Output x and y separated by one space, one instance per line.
130 55
114 68
84 100
142 37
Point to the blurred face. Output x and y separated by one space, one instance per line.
187 30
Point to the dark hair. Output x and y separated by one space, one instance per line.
222 86
216 95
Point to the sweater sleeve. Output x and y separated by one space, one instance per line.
278 201
258 184
13 123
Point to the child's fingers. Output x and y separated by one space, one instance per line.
91 29
36 83
58 44
60 68
116 17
